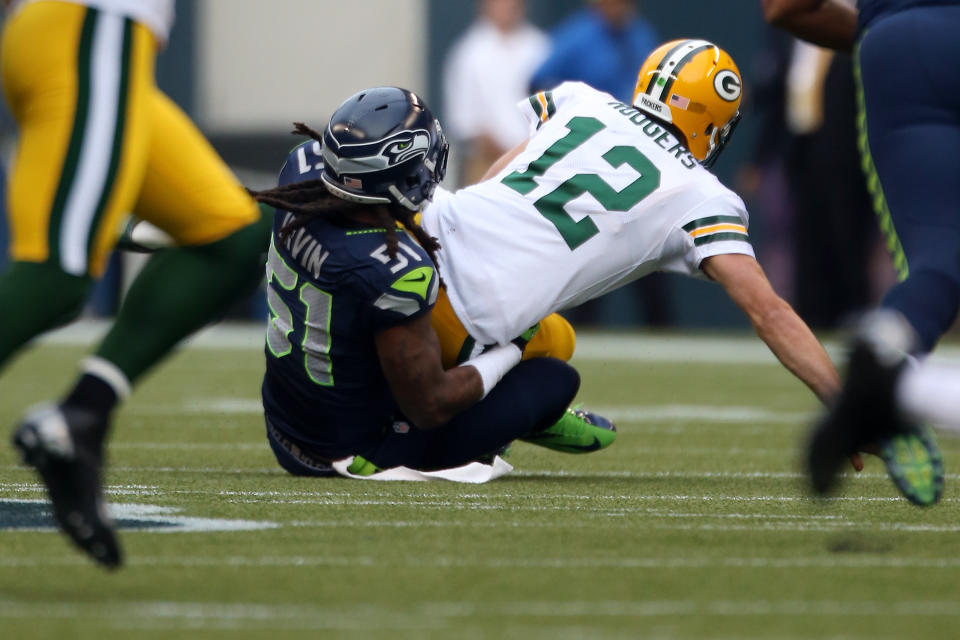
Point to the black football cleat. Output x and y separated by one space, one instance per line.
64 444
866 414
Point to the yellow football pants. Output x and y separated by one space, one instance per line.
555 338
98 141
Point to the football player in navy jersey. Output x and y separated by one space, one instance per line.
909 121
353 366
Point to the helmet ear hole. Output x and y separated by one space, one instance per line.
709 128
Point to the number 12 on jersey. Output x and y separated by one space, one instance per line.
551 206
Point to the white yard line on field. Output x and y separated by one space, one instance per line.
586 475
618 561
509 497
728 415
192 446
823 526
640 449
704 413
444 614
199 406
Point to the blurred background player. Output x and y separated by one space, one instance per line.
98 140
833 229
914 193
354 381
487 73
821 246
603 44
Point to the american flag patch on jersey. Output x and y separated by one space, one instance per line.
716 228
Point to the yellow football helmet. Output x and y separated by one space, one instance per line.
695 86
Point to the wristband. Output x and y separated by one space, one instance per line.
494 363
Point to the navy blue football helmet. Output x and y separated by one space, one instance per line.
383 145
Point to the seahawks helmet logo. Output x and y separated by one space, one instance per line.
377 155
727 85
406 145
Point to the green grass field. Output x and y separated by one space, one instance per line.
695 524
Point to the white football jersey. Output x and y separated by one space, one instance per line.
155 14
601 196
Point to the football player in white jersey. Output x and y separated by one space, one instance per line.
603 193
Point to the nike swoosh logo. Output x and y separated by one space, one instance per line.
420 279
548 439
593 446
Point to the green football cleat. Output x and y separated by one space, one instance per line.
578 431
362 467
915 465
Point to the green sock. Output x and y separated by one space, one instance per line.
36 297
181 290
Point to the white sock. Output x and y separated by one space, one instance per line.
930 391
109 373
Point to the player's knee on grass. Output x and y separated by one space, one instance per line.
556 339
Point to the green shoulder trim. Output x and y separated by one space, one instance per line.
719 237
711 220
537 107
551 107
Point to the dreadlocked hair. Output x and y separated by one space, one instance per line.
310 199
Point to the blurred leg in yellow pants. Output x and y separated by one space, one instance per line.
97 141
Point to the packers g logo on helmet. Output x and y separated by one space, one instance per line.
695 86
727 85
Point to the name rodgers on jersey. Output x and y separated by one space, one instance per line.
663 138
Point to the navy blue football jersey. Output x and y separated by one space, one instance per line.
870 10
330 290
